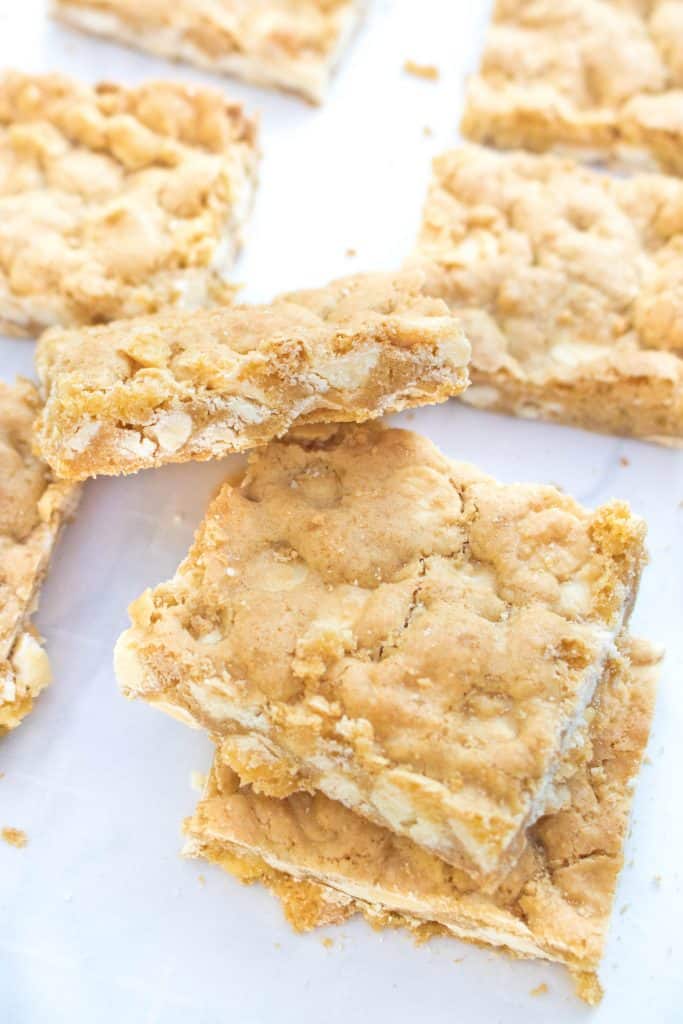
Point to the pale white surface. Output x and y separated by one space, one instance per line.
101 922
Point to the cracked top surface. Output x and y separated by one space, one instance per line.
113 200
179 385
32 508
555 902
414 638
291 42
549 77
561 274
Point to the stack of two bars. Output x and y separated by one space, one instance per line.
425 703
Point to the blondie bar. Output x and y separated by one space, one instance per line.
365 617
33 507
326 863
568 284
117 201
287 44
602 79
196 386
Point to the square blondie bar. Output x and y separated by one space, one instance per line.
196 386
33 508
326 863
599 79
117 201
293 45
568 284
365 617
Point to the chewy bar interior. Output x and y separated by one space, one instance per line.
179 386
293 45
364 617
568 285
326 863
33 507
601 79
117 201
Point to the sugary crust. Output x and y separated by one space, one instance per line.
568 283
288 44
549 80
33 507
365 617
196 386
325 862
116 201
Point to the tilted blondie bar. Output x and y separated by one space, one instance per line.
602 79
197 386
568 283
117 201
33 508
287 44
368 618
326 863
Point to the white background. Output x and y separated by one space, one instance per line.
101 922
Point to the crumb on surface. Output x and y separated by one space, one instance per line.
622 910
15 837
427 131
350 253
201 879
328 943
428 71
623 461
540 990
657 879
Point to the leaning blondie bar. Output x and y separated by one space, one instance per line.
293 45
601 79
365 617
33 508
117 201
326 863
568 284
196 386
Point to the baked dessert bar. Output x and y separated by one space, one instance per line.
288 44
326 863
33 507
601 79
117 201
184 386
568 283
365 617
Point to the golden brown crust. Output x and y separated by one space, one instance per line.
289 44
33 507
117 201
196 386
549 79
365 617
567 282
555 903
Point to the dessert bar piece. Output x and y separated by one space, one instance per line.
568 283
365 617
325 862
117 201
197 386
602 79
33 507
287 44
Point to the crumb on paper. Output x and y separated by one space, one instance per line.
427 131
540 990
277 945
459 960
622 910
410 416
657 879
428 71
351 253
201 879
328 943
177 519
15 837
647 760
623 461
198 781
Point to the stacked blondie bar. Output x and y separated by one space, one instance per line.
425 701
